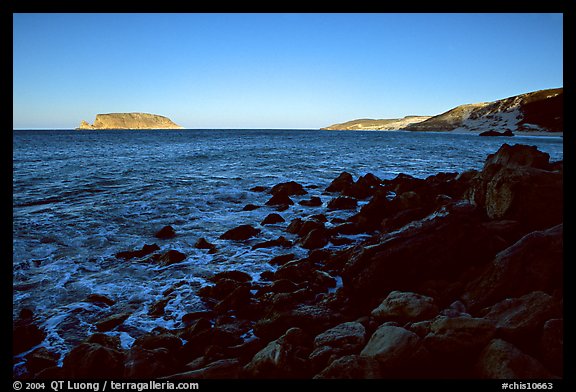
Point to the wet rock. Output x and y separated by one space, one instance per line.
237 299
250 207
40 359
391 346
290 188
149 363
405 306
340 183
259 189
238 276
280 241
311 318
370 216
351 367
94 361
523 317
536 257
146 250
314 201
202 243
294 226
502 360
284 357
153 341
191 317
100 300
343 339
456 309
552 344
165 233
272 219
25 333
459 336
297 271
342 203
240 233
282 259
221 289
315 239
171 257
157 308
496 133
221 369
111 322
280 199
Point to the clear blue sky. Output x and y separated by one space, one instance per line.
275 70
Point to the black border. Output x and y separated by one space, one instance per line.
9 7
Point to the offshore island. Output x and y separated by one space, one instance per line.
129 121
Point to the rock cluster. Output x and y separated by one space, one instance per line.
458 276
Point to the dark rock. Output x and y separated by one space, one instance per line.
157 308
153 341
317 238
284 357
240 233
272 219
238 276
202 243
149 363
459 337
222 369
250 207
165 233
280 241
523 318
502 360
342 203
294 226
352 367
25 333
341 182
496 133
102 339
314 201
311 318
100 300
280 199
191 317
516 184
236 300
290 188
94 361
552 345
391 346
405 306
319 218
282 259
171 257
146 250
111 322
259 189
343 339
221 289
537 258
296 271
40 359
444 247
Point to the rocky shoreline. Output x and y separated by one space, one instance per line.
459 276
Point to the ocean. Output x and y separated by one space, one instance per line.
80 197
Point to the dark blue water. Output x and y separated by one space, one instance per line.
82 196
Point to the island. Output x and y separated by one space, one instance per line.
129 121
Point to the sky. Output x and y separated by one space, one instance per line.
302 71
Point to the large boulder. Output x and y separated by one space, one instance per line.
440 248
502 360
91 360
459 336
392 346
343 181
240 233
405 306
25 333
343 339
284 357
536 257
352 367
221 369
290 188
552 345
516 183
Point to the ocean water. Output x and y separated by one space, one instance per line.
79 197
